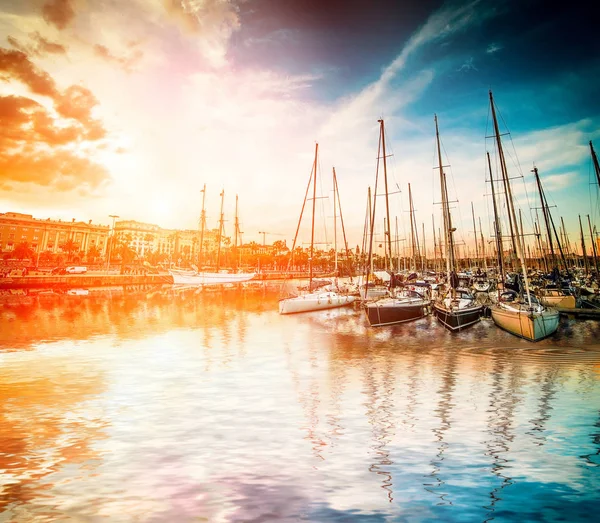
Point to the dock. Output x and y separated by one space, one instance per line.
580 312
82 281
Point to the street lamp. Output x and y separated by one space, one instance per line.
114 217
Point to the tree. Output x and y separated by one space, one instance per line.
93 253
69 247
22 251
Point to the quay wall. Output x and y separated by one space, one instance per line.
83 280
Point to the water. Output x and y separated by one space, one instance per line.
165 405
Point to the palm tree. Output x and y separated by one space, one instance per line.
22 251
93 253
69 247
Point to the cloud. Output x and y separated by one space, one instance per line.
44 144
38 47
37 148
214 21
16 65
126 63
493 48
59 13
468 65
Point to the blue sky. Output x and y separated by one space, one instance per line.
234 94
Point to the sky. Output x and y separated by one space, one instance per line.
129 108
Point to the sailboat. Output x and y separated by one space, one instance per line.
458 308
520 314
553 294
405 304
320 300
194 276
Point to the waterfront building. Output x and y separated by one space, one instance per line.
50 235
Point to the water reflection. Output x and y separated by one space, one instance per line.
166 404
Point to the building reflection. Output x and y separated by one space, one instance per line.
130 312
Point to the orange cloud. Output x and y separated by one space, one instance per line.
16 65
34 149
59 13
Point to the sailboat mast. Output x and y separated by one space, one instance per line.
335 254
545 212
585 260
445 211
312 230
412 229
497 226
339 205
387 203
475 233
596 165
482 245
593 244
202 226
434 244
504 171
424 253
236 229
512 211
222 195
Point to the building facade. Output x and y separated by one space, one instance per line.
50 235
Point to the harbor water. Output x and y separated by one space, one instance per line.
163 404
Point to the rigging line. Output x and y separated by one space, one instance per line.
322 206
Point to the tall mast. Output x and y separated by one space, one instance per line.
424 255
593 244
236 229
539 240
397 247
504 172
585 260
434 244
545 212
497 227
475 233
339 204
387 203
448 236
222 195
511 207
335 256
550 221
202 226
372 220
482 245
312 230
596 165
412 229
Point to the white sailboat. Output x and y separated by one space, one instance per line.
320 300
193 276
520 314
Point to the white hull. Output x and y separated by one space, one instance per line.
209 278
532 326
314 302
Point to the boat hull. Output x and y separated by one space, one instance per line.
457 319
210 278
563 301
386 312
314 302
532 326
